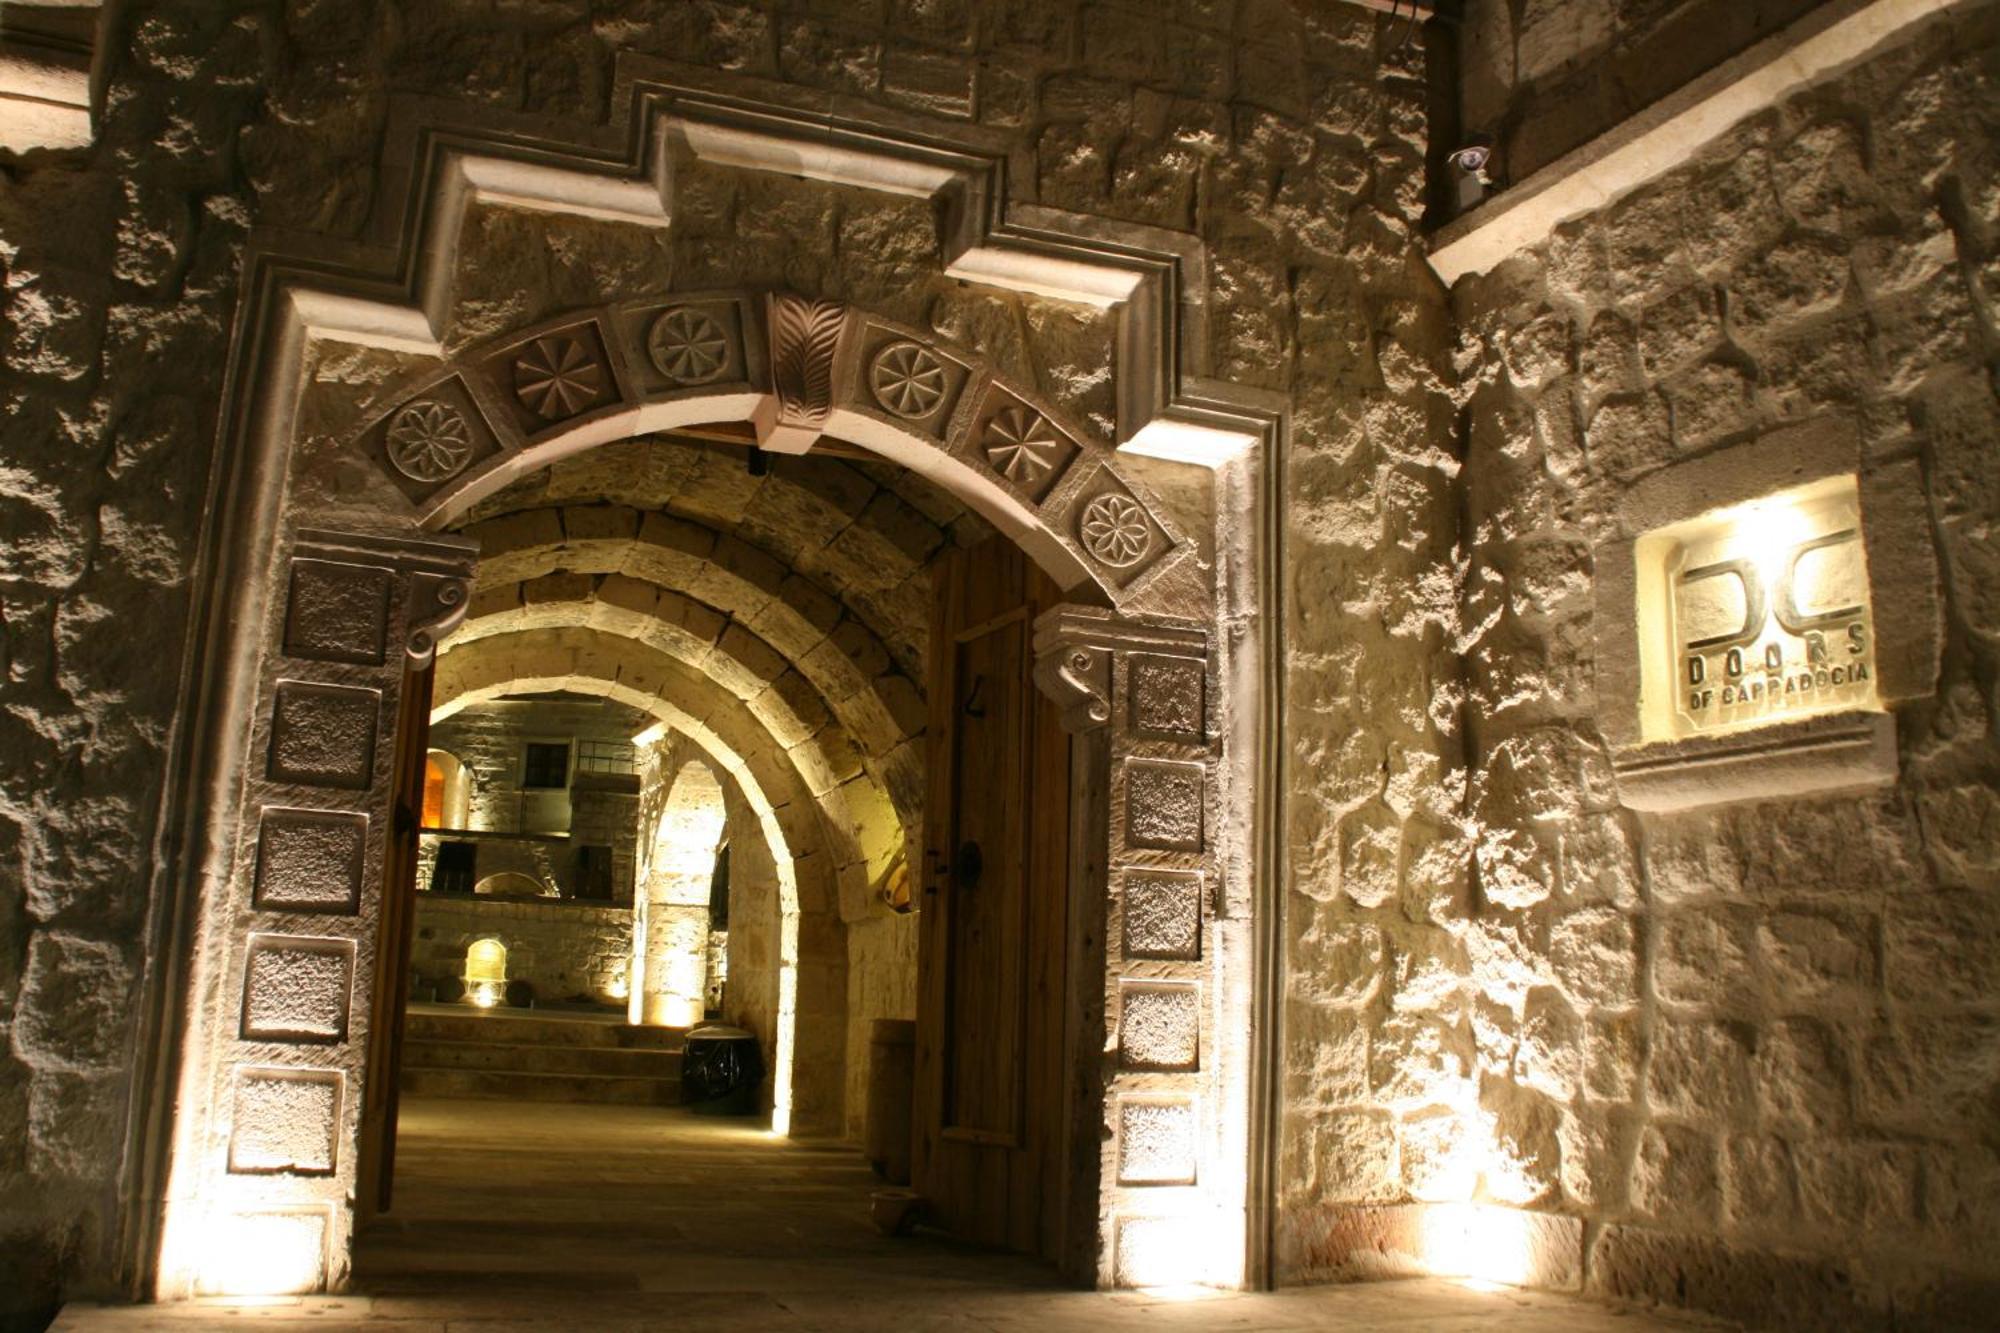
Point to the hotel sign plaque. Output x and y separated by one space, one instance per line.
1761 613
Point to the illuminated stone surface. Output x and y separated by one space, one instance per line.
284 1120
1163 805
1453 847
1156 1143
1162 915
627 1223
297 989
1159 1027
1167 697
337 613
324 736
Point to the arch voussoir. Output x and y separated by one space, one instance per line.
795 369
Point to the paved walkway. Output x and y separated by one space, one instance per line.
517 1217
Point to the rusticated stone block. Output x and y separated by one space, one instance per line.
1156 1142
1159 1026
1757 1178
1163 805
324 735
1677 1175
1595 958
1370 843
75 995
297 989
1354 1157
1162 914
337 613
285 1120
1802 1076
310 861
1700 1069
75 1124
1858 1186
1613 1047
1704 954
1167 697
1693 1271
1942 949
1817 956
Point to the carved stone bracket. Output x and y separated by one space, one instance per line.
804 335
438 603
1074 646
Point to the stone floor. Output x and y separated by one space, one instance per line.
517 1217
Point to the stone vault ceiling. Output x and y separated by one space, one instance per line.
864 532
796 603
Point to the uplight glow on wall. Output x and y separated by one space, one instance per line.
1756 614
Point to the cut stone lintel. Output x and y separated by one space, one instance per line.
46 53
1674 129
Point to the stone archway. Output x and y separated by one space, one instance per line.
289 960
670 961
284 991
807 367
793 369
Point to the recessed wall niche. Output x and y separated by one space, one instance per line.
1755 613
1766 609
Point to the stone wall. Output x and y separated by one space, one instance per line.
1486 958
1752 1050
120 275
567 951
549 862
1283 133
750 993
881 983
489 739
1541 77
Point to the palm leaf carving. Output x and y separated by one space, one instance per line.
803 335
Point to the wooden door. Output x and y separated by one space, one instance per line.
990 1119
376 1166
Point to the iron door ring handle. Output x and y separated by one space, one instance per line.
967 865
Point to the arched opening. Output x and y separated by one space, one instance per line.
447 791
795 622
514 884
485 973
670 952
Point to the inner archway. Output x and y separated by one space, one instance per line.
670 941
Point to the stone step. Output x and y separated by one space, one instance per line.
516 1026
541 1058
518 1086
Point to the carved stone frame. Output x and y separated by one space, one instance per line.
1829 751
1213 761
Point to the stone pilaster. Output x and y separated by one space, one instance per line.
1137 695
267 1201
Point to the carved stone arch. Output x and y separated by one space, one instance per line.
794 368
307 636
